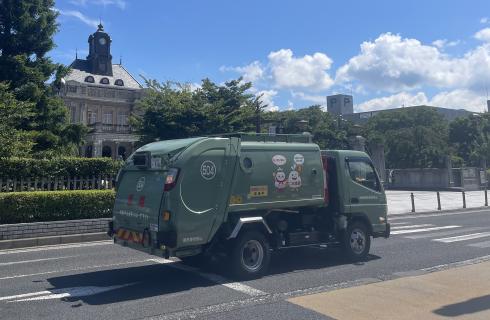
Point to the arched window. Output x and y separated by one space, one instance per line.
89 79
104 81
119 82
106 151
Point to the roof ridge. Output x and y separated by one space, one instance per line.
129 74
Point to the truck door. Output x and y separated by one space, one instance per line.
204 189
365 191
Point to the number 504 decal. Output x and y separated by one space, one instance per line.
208 170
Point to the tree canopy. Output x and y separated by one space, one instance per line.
26 36
415 137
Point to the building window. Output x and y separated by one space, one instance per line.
72 89
119 82
92 117
104 81
90 79
107 118
122 119
363 173
73 114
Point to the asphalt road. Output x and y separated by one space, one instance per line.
104 281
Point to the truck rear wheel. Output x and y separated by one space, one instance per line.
357 241
250 255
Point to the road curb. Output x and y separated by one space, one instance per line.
52 240
411 214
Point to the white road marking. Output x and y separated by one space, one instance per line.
237 286
483 244
34 260
393 217
463 237
445 233
423 230
57 247
397 223
73 269
411 226
62 293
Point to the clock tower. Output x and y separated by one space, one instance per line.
99 57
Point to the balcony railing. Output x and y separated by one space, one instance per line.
112 128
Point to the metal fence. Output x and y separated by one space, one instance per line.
57 183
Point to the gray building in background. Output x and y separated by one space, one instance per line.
102 96
448 114
340 104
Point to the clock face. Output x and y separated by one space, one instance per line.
102 41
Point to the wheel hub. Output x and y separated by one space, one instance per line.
252 255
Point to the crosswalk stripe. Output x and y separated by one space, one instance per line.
411 226
463 237
397 223
445 233
483 244
423 230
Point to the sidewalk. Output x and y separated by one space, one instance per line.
458 293
399 202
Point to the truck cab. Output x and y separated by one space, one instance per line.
241 196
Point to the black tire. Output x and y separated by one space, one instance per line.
250 255
356 241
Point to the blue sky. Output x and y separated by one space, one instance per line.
387 53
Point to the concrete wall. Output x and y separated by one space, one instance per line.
419 179
422 179
54 228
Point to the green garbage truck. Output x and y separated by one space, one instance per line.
244 196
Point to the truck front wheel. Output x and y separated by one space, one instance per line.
356 241
250 255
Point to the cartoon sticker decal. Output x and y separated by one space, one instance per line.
299 159
294 180
140 184
279 160
280 181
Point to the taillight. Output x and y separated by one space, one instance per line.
171 179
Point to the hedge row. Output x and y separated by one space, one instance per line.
19 207
58 167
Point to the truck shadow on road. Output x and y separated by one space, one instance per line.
466 307
152 280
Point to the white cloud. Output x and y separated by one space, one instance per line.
455 99
251 73
459 99
443 43
317 99
484 20
267 99
80 16
308 72
121 4
391 63
483 35
394 101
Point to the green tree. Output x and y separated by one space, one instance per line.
413 137
27 28
470 138
328 132
173 110
14 142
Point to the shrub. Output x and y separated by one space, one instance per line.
19 207
58 167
